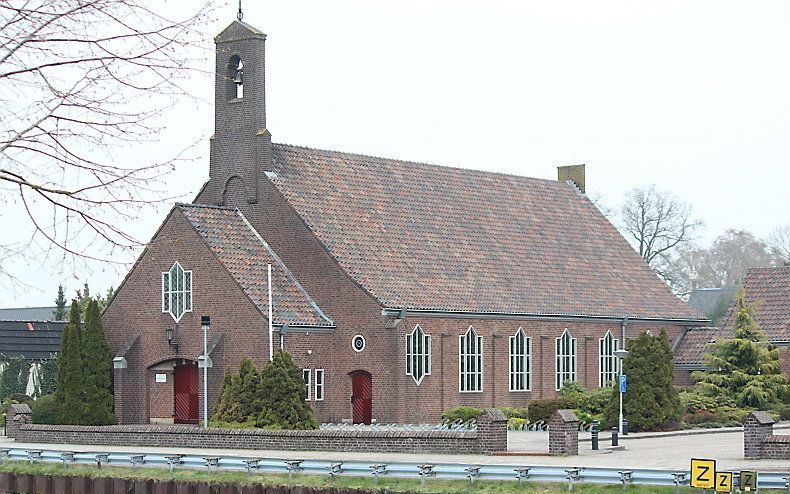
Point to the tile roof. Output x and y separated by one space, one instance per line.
433 237
27 314
770 287
31 340
246 255
691 348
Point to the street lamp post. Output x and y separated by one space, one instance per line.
205 321
621 355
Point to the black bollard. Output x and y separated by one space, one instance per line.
594 435
614 436
625 427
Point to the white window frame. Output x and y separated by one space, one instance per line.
169 295
306 373
565 361
319 384
414 355
608 363
524 370
473 376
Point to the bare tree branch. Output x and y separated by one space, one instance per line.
80 80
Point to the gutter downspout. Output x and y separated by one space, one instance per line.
623 325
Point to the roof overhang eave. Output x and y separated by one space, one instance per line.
394 311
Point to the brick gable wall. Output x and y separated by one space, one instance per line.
136 308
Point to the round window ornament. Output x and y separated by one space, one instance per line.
358 343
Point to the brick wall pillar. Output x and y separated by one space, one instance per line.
756 427
564 433
18 414
492 431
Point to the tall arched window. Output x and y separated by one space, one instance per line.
566 359
418 354
520 362
470 356
235 78
608 363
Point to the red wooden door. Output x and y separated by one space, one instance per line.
185 386
362 397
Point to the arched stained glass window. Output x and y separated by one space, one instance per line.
520 361
566 359
177 291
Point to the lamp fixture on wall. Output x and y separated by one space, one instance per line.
169 337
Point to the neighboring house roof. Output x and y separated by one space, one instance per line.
691 348
27 314
771 288
31 340
706 300
246 255
434 237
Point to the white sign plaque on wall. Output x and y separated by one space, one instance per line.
161 378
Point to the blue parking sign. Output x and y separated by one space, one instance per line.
623 383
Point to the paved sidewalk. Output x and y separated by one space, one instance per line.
665 452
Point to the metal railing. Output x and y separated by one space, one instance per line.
294 465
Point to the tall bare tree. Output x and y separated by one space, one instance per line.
779 244
80 82
657 223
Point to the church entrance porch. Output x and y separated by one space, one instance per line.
173 392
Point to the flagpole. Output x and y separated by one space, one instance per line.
271 331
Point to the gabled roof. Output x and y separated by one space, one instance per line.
433 237
245 255
770 287
237 30
693 345
28 314
31 340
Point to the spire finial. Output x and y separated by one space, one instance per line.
239 14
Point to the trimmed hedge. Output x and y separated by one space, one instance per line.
543 409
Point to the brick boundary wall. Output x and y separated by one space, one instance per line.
563 433
18 415
490 437
759 440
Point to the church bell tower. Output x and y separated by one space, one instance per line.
241 147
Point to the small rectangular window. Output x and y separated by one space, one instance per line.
306 377
319 384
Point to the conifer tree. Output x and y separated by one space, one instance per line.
651 400
283 396
59 314
744 368
225 397
240 398
69 397
96 358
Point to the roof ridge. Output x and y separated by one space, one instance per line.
205 206
422 163
287 271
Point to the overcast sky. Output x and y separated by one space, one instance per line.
691 96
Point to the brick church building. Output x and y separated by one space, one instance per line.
402 289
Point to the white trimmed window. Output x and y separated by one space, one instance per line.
566 359
520 361
418 354
608 363
177 291
319 384
470 353
307 382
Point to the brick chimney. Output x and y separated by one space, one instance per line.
574 173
